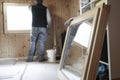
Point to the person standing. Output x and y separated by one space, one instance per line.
41 21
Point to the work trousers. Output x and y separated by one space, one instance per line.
39 35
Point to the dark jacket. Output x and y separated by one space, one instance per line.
39 18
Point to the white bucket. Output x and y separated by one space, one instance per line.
51 55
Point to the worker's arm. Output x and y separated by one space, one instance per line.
48 18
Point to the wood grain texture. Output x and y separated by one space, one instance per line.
17 45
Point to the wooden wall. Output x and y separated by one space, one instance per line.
12 45
17 45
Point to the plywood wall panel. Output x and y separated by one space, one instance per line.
14 45
59 11
1 18
74 8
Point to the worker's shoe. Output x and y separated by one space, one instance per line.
42 60
29 60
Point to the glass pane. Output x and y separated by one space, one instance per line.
86 8
18 18
78 42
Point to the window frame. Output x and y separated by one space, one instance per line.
95 46
6 31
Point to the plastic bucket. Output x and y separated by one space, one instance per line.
51 55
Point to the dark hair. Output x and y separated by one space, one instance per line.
39 1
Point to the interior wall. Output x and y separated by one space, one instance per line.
74 8
114 31
12 45
17 45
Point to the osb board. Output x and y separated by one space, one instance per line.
17 45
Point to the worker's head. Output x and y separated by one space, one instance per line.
39 1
